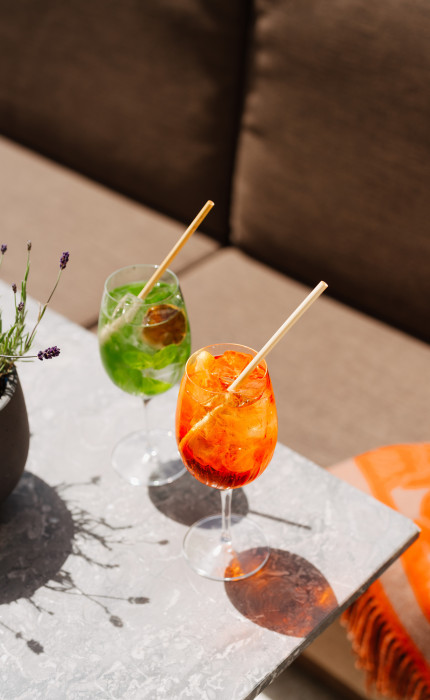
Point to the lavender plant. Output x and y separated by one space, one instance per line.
17 341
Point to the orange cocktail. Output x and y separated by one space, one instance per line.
226 439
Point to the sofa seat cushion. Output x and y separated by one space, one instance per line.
60 210
343 383
389 625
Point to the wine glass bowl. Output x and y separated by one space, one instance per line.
144 345
226 440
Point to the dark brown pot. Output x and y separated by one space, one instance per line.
14 433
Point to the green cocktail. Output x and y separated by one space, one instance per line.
144 346
146 355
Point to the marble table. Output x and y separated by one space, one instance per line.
96 599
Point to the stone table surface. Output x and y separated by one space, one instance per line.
96 599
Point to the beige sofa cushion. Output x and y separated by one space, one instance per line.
343 383
59 210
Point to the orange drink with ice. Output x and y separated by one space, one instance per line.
226 439
226 430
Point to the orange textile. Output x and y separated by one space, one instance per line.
389 625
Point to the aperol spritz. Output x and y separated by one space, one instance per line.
226 440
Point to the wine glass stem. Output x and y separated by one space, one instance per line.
146 426
226 515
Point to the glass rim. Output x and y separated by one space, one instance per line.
219 345
143 303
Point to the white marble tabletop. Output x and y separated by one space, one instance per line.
96 599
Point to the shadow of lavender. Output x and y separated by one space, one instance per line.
38 532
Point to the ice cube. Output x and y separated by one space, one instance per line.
204 361
125 303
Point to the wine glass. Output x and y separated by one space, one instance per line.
226 440
144 345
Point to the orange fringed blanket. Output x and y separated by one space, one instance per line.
389 625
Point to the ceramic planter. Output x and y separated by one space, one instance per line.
14 433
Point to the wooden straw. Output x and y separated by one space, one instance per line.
127 317
176 248
276 337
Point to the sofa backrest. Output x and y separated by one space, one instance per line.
333 171
333 164
141 96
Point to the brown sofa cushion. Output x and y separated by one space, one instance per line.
334 167
141 96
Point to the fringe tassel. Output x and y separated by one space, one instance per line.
392 662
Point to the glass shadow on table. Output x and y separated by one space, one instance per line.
187 500
289 595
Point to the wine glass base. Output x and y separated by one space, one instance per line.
209 555
148 459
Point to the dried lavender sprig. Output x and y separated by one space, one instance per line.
63 262
3 249
15 343
47 354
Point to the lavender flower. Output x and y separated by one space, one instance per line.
49 353
3 249
16 342
64 260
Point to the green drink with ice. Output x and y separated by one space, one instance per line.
144 345
147 354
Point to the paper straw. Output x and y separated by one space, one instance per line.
129 314
276 337
176 248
